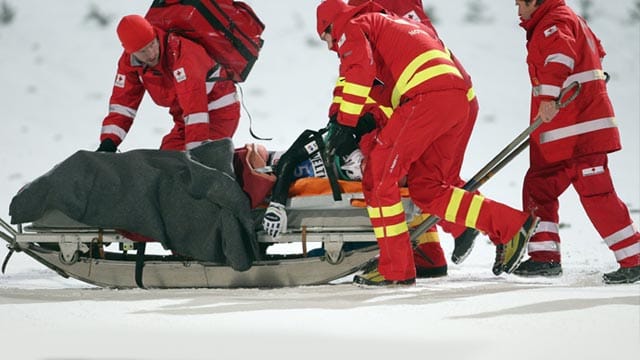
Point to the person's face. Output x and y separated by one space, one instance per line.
525 10
150 54
326 36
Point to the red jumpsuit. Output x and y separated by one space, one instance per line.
188 82
572 149
413 10
419 140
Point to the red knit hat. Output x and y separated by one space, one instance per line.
135 32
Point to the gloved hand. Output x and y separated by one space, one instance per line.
342 141
274 222
107 145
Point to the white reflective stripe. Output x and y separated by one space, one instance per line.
585 76
122 110
197 118
114 129
577 129
223 101
547 226
631 250
214 76
546 90
620 235
560 59
193 144
549 245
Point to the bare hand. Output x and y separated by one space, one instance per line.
548 110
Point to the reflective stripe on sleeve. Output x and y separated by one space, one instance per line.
223 101
546 90
115 130
585 76
122 110
577 129
197 118
560 59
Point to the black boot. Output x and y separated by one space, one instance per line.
539 268
463 245
627 275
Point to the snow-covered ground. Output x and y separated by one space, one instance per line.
57 68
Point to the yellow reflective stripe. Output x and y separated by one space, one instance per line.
370 101
355 89
454 205
374 212
393 210
351 108
379 232
385 211
474 211
398 229
410 70
428 237
427 74
471 94
391 230
340 81
337 99
387 111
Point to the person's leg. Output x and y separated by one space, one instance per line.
224 121
607 212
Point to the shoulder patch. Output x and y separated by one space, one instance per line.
343 38
550 31
120 79
180 75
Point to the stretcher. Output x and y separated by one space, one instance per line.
340 231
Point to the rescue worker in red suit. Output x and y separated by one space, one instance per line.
430 258
572 149
422 139
178 74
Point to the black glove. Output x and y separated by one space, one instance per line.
107 145
366 123
342 141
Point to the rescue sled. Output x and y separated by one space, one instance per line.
340 230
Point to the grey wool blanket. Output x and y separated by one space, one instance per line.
190 203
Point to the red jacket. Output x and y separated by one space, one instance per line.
186 80
398 53
562 49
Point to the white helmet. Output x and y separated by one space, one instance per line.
351 165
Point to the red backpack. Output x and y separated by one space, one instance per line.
229 30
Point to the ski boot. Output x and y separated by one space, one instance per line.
374 278
463 245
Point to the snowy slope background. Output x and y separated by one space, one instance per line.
57 66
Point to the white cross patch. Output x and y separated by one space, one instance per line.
180 75
119 81
550 31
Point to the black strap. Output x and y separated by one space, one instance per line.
6 260
140 249
328 165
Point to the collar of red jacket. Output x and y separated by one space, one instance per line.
539 13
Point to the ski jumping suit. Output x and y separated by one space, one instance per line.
203 105
418 140
572 149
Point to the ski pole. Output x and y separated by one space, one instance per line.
505 156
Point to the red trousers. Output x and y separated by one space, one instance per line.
590 177
425 139
223 123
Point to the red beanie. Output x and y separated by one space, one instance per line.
135 32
